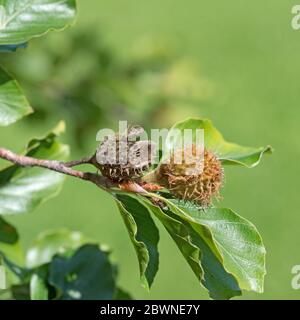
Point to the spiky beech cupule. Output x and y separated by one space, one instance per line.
198 181
121 158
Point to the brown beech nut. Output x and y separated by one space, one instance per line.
120 158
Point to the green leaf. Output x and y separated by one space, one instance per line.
50 243
205 264
238 242
9 242
21 20
8 233
22 273
21 292
228 153
12 47
122 295
13 103
232 239
143 234
23 189
87 275
38 284
220 284
13 252
179 234
224 250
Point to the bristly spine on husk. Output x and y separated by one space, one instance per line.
194 180
183 181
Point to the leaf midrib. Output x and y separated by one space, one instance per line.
18 12
14 15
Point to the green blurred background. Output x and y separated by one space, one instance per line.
153 63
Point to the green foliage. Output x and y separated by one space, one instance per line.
224 250
38 286
199 251
237 241
12 47
82 77
13 103
63 264
50 243
228 153
87 275
143 235
9 242
23 189
122 295
8 234
21 20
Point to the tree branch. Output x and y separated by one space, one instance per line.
87 160
58 166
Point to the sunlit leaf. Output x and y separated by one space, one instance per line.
239 243
205 264
228 153
224 251
38 284
21 20
23 189
13 103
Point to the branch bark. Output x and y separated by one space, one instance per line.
58 166
87 160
